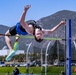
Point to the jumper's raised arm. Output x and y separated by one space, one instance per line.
48 31
23 17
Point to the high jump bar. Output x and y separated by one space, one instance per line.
30 37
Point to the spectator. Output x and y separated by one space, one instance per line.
16 71
8 73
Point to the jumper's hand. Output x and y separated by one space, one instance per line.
62 22
27 7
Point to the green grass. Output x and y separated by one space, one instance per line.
35 70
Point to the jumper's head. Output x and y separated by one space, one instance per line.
38 35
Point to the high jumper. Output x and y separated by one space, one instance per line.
29 27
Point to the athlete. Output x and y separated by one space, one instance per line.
29 27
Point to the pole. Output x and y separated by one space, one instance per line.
41 59
29 45
68 47
46 54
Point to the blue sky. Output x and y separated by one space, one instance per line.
11 10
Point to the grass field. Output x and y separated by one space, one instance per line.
53 70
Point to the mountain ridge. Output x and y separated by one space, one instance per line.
47 22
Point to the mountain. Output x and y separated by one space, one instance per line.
3 29
54 19
47 22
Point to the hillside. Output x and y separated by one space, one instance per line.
47 22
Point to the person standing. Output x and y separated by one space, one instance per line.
16 71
